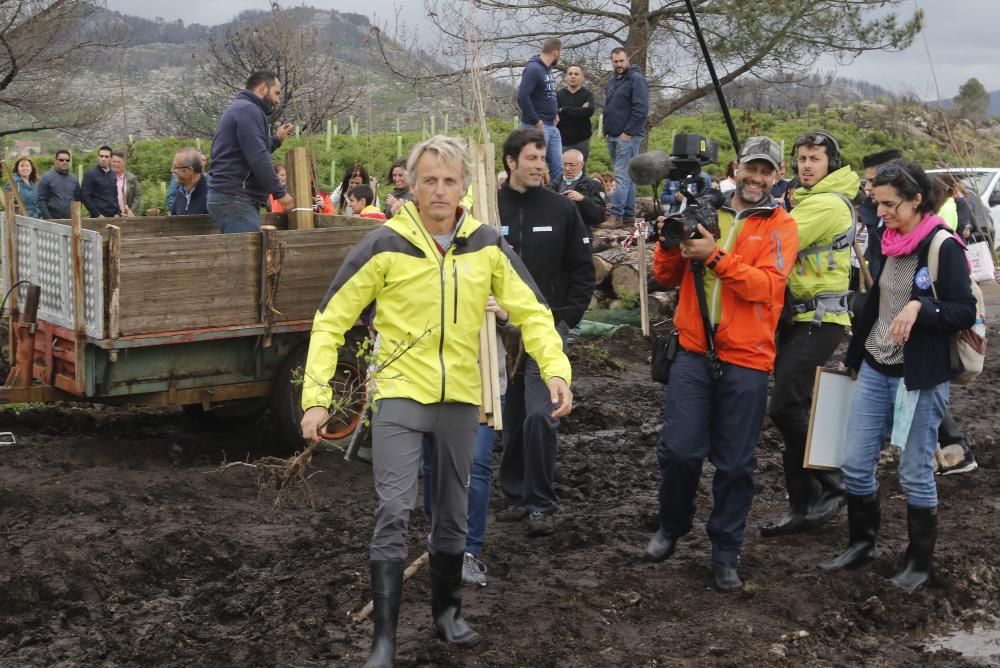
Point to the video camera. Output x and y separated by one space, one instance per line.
700 205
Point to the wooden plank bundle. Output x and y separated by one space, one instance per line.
484 193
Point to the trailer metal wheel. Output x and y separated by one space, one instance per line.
286 398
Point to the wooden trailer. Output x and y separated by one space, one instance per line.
166 311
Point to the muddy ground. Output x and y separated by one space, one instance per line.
122 545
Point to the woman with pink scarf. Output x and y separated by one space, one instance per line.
900 356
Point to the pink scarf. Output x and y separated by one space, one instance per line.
895 244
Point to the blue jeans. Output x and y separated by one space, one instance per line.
870 423
479 486
553 150
621 153
233 213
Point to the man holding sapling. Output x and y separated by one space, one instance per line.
429 270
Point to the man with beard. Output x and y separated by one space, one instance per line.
99 192
545 230
242 173
819 312
715 409
626 106
536 96
58 189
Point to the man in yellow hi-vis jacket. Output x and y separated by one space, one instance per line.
429 270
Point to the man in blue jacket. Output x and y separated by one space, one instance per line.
536 96
100 190
242 173
626 106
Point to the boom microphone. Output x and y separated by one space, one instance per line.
650 168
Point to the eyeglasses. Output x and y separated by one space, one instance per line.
890 172
571 164
178 168
62 159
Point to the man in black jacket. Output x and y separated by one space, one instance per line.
587 194
100 187
545 230
576 106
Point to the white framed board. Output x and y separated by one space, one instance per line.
833 394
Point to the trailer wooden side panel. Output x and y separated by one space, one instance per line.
311 259
188 282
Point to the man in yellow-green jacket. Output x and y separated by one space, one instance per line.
817 305
429 270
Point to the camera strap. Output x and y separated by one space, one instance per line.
715 365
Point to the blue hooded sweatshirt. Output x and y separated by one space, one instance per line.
626 104
241 151
536 96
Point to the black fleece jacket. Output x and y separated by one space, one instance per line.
927 353
591 207
546 230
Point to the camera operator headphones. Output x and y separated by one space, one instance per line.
826 139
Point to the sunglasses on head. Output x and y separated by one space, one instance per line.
891 172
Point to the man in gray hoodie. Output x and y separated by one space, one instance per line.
58 188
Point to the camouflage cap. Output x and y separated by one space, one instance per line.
761 148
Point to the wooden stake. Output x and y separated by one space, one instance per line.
79 322
10 239
297 165
643 287
114 236
407 574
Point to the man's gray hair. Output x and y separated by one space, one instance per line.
191 157
447 149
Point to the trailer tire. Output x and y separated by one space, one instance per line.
286 399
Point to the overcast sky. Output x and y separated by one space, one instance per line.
963 37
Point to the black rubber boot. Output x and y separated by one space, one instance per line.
387 586
446 600
864 514
922 525
801 492
830 500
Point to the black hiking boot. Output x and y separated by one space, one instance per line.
446 600
660 547
922 525
726 578
864 514
387 586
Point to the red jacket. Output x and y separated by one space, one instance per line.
751 275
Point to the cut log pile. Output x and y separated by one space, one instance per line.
617 278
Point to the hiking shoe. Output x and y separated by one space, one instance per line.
541 524
966 465
473 570
612 223
512 514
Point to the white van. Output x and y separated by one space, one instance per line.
986 182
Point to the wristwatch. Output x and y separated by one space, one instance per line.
715 261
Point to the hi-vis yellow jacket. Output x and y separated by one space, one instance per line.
429 309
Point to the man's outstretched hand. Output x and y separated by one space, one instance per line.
561 396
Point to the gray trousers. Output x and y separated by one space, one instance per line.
398 429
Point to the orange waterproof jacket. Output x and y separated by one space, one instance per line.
745 291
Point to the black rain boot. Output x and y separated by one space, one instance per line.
801 492
922 525
864 513
830 500
446 600
387 586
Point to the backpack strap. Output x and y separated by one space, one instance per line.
934 256
841 241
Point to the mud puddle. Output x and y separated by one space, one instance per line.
978 643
